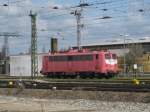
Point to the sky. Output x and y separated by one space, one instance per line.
128 17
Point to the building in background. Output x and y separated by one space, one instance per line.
20 65
120 44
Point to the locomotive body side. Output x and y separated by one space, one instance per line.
88 63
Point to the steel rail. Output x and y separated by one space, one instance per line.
85 86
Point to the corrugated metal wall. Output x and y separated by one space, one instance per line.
20 65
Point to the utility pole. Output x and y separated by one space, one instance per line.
34 56
6 35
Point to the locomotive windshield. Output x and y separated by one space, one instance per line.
107 56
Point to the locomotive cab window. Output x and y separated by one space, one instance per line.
107 56
114 56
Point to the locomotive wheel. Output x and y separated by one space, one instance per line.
73 76
92 75
82 76
110 75
99 76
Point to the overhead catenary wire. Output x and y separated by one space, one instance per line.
68 14
118 15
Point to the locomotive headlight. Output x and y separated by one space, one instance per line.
136 81
10 83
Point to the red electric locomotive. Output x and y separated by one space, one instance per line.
83 64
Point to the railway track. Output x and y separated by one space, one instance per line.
78 81
116 79
143 86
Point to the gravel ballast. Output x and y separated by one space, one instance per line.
18 100
143 97
23 104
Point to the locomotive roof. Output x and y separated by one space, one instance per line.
74 53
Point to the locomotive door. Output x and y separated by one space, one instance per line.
46 63
97 62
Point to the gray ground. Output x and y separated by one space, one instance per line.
19 104
28 100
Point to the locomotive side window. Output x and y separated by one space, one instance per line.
58 58
89 57
114 56
71 58
50 58
96 56
76 58
107 56
82 58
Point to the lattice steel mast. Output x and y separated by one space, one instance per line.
78 18
78 14
34 56
7 35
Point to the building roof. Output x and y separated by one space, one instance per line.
120 42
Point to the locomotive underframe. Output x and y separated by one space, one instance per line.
79 75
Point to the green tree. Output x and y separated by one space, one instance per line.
135 51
